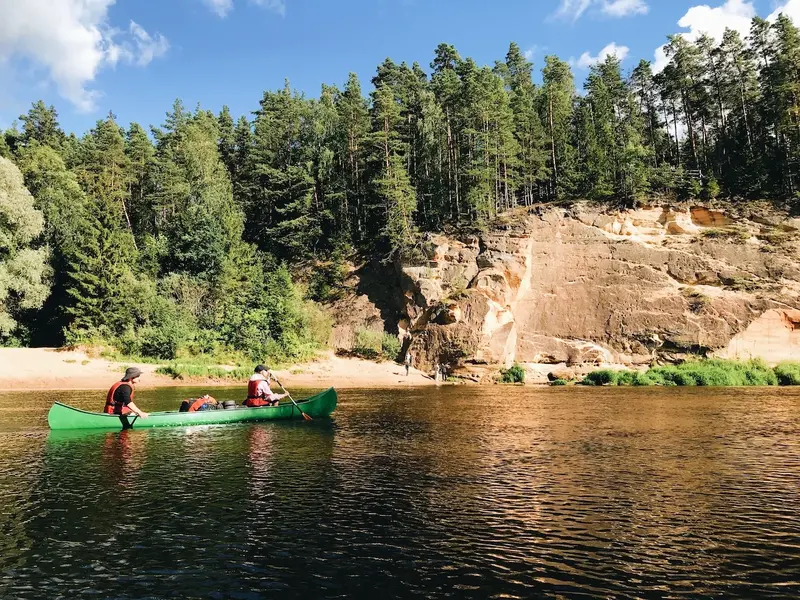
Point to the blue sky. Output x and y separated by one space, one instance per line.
135 57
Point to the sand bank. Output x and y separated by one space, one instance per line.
50 368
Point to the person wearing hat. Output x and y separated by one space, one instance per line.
119 400
258 390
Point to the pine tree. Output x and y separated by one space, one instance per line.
140 164
354 127
280 188
557 108
41 125
784 74
393 186
447 88
528 129
227 140
105 171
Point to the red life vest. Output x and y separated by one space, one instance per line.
256 397
111 406
200 402
252 389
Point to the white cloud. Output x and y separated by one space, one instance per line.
791 9
733 14
587 60
531 52
223 7
624 8
278 6
574 9
146 47
72 40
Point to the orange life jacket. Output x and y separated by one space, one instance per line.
111 406
200 402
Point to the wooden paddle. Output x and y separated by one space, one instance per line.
305 416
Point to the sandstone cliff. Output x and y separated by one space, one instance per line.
581 287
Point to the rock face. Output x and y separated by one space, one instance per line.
580 287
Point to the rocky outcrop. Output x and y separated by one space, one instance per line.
580 287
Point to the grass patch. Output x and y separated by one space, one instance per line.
559 382
85 362
704 373
739 284
70 360
736 236
195 371
697 301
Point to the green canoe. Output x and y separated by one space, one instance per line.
62 416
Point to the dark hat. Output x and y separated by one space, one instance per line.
132 373
260 368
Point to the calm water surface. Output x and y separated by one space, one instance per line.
458 492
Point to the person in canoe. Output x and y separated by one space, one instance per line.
119 400
258 390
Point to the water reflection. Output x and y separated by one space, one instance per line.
555 493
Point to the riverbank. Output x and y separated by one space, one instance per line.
50 368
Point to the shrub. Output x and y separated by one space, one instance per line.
372 345
601 377
390 346
788 373
559 382
709 373
625 377
515 374
711 189
645 380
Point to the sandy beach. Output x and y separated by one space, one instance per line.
56 369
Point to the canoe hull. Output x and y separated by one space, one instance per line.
63 417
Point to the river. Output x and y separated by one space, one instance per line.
459 492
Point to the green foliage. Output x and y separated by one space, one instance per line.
711 373
184 371
601 377
375 345
731 234
23 266
390 346
788 373
327 281
712 189
559 382
515 374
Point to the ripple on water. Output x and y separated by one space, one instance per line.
513 494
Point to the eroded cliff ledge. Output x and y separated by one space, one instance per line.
581 287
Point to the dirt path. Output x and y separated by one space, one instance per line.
49 368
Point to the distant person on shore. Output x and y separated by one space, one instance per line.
407 362
258 390
119 400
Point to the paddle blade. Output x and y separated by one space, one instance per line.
307 417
